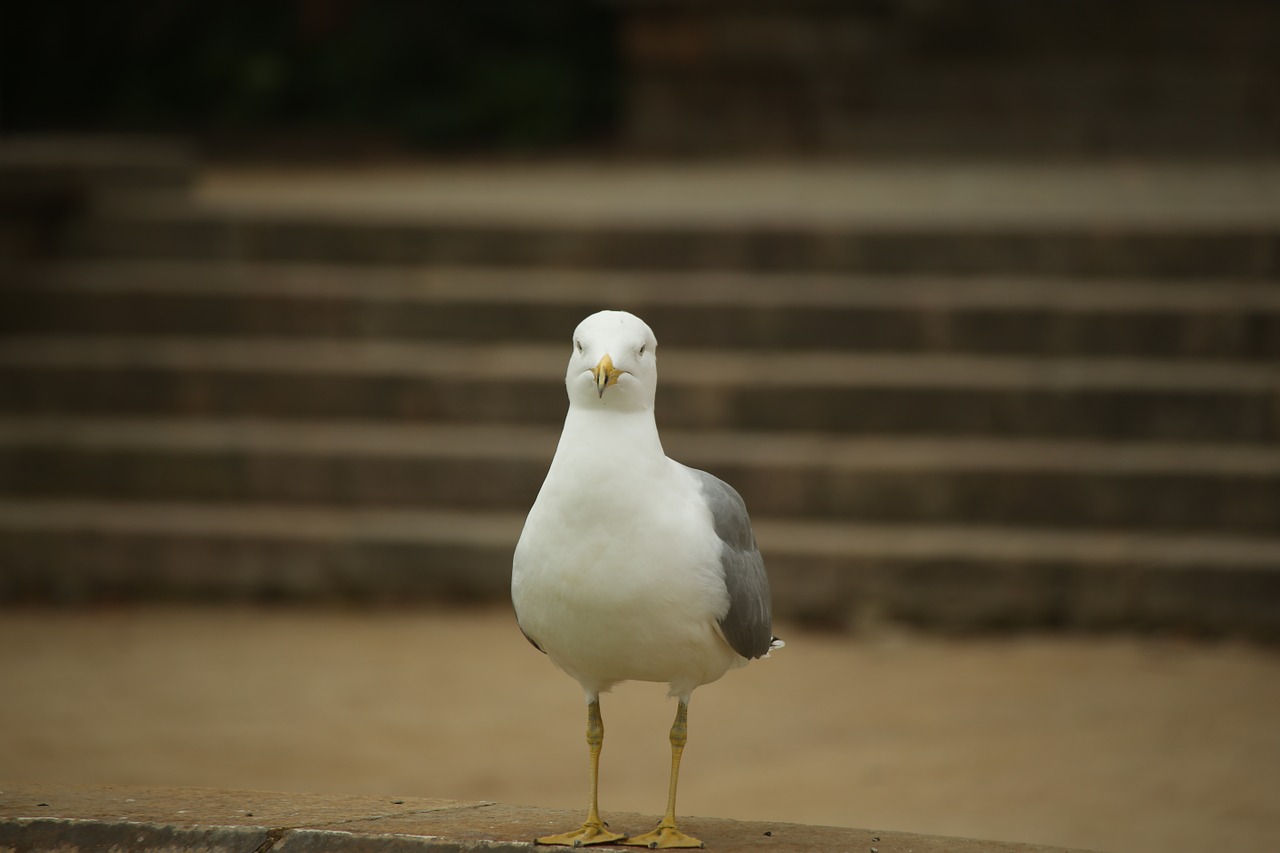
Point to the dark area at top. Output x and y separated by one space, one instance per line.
503 73
789 77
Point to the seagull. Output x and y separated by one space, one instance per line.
631 566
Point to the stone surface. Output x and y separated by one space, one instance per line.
1038 736
36 818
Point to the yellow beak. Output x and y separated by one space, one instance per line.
605 374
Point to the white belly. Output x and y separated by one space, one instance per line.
615 590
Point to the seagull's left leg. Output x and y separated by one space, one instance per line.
667 835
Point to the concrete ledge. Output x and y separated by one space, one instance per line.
71 818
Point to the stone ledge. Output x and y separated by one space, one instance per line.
69 818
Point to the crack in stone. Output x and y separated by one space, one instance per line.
410 813
273 838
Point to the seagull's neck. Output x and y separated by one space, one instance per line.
598 432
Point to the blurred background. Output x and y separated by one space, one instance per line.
977 302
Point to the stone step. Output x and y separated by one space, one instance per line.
795 311
94 171
804 476
820 196
1199 401
961 407
956 245
838 574
44 817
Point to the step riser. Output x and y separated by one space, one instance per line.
965 595
1244 252
1238 334
844 592
1221 502
86 567
1210 416
1008 499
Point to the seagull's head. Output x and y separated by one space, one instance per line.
614 363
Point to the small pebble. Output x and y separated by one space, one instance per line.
42 804
769 832
397 802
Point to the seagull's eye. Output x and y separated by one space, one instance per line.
642 349
578 344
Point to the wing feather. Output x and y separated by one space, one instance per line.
748 624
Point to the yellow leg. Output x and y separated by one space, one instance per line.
593 831
667 835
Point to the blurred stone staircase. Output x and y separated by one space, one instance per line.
960 425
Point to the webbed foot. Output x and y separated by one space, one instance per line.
590 833
665 836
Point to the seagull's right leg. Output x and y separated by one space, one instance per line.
594 830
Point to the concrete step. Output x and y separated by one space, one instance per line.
838 574
1047 484
959 245
1215 319
1129 399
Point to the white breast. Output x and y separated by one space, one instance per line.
617 573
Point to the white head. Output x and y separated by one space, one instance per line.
614 363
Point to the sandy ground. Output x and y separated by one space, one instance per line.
1113 744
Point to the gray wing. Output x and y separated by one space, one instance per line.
747 625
